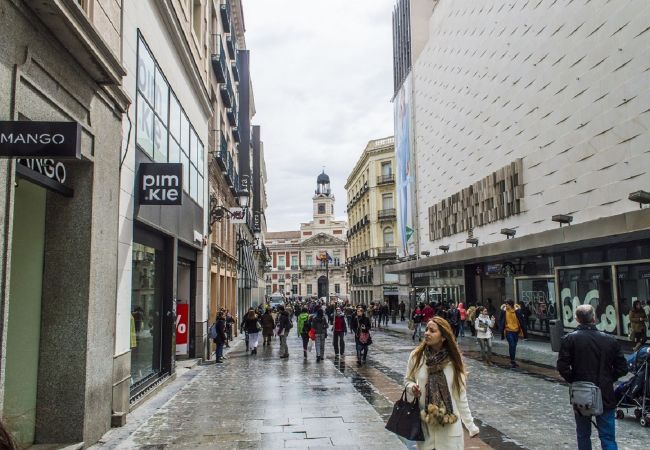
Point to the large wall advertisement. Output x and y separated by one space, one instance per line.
405 166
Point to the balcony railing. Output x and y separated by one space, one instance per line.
235 134
281 267
218 59
387 252
230 44
235 70
294 267
226 92
386 214
231 114
225 15
385 179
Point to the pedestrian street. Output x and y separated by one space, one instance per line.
263 402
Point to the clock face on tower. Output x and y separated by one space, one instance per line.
321 208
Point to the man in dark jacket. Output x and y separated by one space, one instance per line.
590 355
284 325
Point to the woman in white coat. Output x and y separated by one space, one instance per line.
436 374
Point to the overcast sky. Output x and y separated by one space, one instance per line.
322 82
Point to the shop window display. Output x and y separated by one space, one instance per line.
145 313
588 285
537 297
633 283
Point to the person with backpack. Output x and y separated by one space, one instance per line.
589 355
303 327
218 335
417 318
361 326
340 329
319 324
284 326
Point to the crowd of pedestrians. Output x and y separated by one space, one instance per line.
435 372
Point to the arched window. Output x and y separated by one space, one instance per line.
389 240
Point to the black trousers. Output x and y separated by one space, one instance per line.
339 342
305 341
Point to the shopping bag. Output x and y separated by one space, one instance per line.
312 334
310 346
411 325
405 419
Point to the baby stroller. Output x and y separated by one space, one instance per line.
635 392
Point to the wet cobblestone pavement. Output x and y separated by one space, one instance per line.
263 402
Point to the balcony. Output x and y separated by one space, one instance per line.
224 9
387 252
235 70
226 92
231 114
230 45
235 134
218 59
386 214
295 267
222 156
385 179
281 267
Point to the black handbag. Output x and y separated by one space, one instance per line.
405 419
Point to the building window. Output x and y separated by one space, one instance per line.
309 289
268 290
294 289
321 208
282 288
337 288
197 18
294 262
386 168
163 130
387 201
389 239
281 263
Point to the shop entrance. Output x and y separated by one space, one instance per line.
185 309
24 324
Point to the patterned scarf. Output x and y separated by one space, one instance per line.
439 409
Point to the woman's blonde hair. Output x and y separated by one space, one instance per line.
452 349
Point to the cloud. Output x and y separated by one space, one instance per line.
322 81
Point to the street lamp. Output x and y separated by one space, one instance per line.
444 248
508 232
640 197
562 219
244 197
473 241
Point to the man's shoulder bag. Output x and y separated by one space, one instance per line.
586 398
405 420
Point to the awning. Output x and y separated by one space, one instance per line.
610 230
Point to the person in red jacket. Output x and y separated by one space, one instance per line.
428 313
340 329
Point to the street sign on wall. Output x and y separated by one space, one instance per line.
161 184
27 139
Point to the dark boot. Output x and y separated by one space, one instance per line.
304 353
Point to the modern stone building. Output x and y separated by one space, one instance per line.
521 142
60 62
372 236
311 262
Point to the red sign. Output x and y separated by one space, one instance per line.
182 314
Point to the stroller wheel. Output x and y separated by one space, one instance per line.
620 414
638 413
645 421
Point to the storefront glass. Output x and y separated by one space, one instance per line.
633 283
146 300
588 285
537 297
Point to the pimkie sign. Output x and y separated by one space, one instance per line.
161 184
26 139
